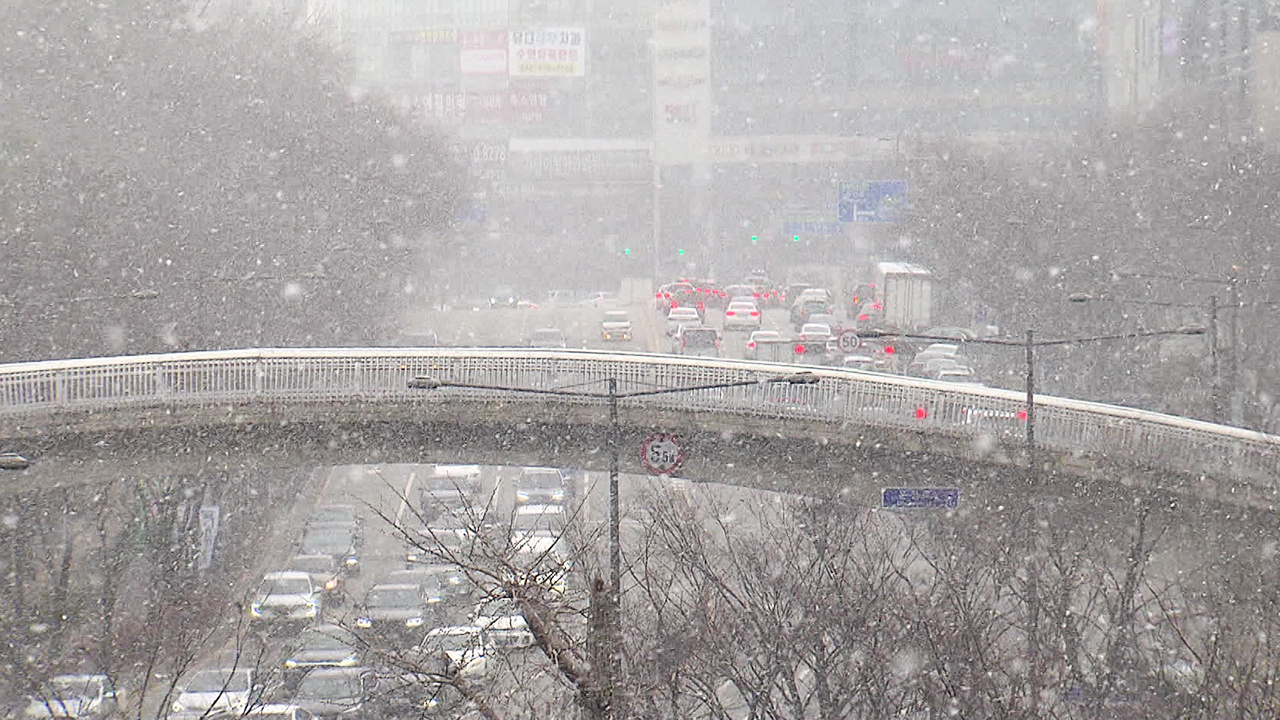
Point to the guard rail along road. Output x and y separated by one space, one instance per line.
58 390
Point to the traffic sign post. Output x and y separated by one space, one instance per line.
911 498
848 341
662 454
879 201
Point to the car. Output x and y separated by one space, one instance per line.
534 517
439 583
815 333
325 572
539 486
395 612
801 311
503 623
962 375
741 315
286 597
443 539
449 489
216 691
682 316
457 650
810 293
333 693
870 315
334 514
616 325
740 292
696 340
340 541
827 319
547 339
756 338
932 366
599 298
74 696
320 646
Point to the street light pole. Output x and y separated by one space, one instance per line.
1031 406
1214 369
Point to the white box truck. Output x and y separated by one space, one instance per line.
906 295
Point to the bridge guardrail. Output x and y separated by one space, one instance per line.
1178 445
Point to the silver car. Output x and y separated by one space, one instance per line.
74 696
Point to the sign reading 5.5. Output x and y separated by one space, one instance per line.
662 454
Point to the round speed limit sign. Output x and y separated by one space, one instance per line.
847 341
662 454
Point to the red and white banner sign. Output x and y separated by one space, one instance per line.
483 52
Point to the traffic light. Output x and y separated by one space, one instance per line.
680 251
755 238
795 238
626 251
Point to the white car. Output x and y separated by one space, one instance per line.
741 315
74 696
616 325
758 338
681 316
503 622
815 332
217 691
464 647
548 339
291 595
859 362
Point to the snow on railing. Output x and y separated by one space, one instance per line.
1124 436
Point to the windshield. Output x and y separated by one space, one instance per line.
317 564
453 641
393 597
330 686
286 586
548 336
219 680
333 638
616 317
333 540
542 480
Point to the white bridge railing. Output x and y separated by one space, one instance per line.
31 393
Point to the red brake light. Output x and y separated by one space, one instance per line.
876 306
1022 414
800 349
728 312
701 306
658 295
864 317
767 295
756 295
675 304
751 344
889 350
754 313
921 413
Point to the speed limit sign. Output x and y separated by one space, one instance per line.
847 341
662 454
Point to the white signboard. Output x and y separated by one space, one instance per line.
209 517
548 52
682 80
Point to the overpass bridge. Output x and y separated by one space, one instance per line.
89 420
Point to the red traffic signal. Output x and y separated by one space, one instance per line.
889 350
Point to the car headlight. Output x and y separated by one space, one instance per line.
353 560
177 707
455 580
557 495
348 661
291 663
411 557
364 623
332 583
413 622
255 609
522 495
311 610
434 600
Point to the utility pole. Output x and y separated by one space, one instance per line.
1031 407
1233 364
1214 364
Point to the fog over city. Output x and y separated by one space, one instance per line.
623 359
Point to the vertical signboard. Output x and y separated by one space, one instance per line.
209 517
682 80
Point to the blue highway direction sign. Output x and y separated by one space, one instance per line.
900 498
879 201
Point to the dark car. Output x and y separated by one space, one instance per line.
450 489
340 541
396 613
333 693
801 312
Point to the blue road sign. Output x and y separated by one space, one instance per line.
899 498
879 201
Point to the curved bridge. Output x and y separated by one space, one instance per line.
218 411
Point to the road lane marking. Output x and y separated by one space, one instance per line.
404 498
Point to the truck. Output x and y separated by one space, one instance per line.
905 292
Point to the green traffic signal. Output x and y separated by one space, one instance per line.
755 238
680 251
795 238
626 251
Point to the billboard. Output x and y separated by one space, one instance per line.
548 52
682 80
483 52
